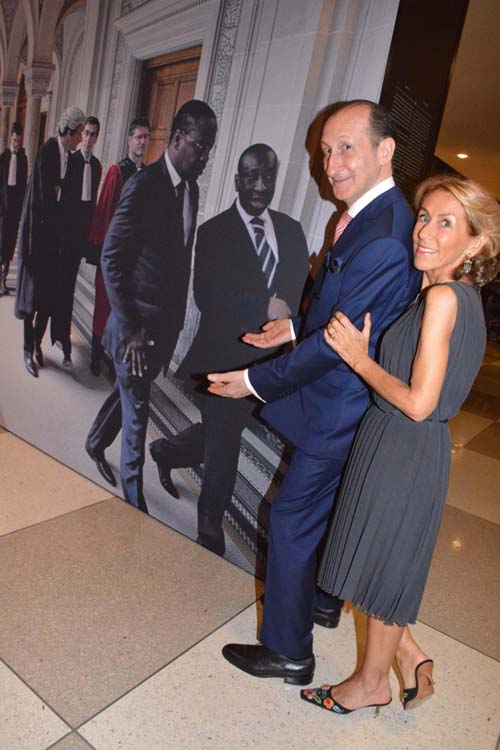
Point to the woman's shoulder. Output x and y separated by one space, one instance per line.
441 297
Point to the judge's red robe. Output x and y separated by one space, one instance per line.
116 177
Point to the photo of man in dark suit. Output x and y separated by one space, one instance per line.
79 200
315 399
13 179
146 263
112 185
250 265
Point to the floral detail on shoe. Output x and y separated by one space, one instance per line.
329 703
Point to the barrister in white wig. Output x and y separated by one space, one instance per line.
40 237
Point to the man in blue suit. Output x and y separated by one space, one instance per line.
313 398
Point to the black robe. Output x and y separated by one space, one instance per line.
11 202
77 213
40 234
76 216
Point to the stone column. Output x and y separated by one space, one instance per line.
8 93
37 78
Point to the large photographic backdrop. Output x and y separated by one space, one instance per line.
266 69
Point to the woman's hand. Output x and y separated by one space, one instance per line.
346 340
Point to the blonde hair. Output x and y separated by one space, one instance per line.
483 217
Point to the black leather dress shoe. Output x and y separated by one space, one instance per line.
39 355
327 618
30 366
163 472
260 661
103 467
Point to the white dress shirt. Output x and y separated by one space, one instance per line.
11 179
269 232
63 159
87 179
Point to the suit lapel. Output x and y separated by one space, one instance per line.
356 231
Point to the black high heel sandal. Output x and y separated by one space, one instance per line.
322 698
424 686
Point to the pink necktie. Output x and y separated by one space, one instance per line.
341 225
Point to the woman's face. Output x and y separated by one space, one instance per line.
441 236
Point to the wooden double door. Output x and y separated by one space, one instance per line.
167 83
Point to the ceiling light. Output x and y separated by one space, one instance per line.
463 156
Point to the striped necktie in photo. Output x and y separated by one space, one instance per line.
266 255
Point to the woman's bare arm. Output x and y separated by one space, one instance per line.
418 399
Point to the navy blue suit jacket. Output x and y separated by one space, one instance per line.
317 400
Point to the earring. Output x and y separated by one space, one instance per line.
468 262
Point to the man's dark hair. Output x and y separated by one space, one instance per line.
91 120
138 122
190 114
16 128
259 149
381 124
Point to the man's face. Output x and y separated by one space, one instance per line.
138 142
75 138
256 181
189 150
89 138
15 141
352 163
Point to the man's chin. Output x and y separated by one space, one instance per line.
256 208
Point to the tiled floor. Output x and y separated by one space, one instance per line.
112 623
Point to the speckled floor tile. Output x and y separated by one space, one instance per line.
102 598
465 426
202 702
487 442
72 741
26 723
461 596
474 484
43 488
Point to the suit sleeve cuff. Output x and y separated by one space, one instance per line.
250 386
292 332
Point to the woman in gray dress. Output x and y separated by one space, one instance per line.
392 497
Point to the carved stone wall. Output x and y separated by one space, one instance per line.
216 94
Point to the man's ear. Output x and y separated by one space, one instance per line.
176 139
386 149
237 182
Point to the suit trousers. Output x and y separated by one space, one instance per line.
34 329
298 521
68 275
127 408
214 442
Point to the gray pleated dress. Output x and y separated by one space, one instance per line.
393 493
